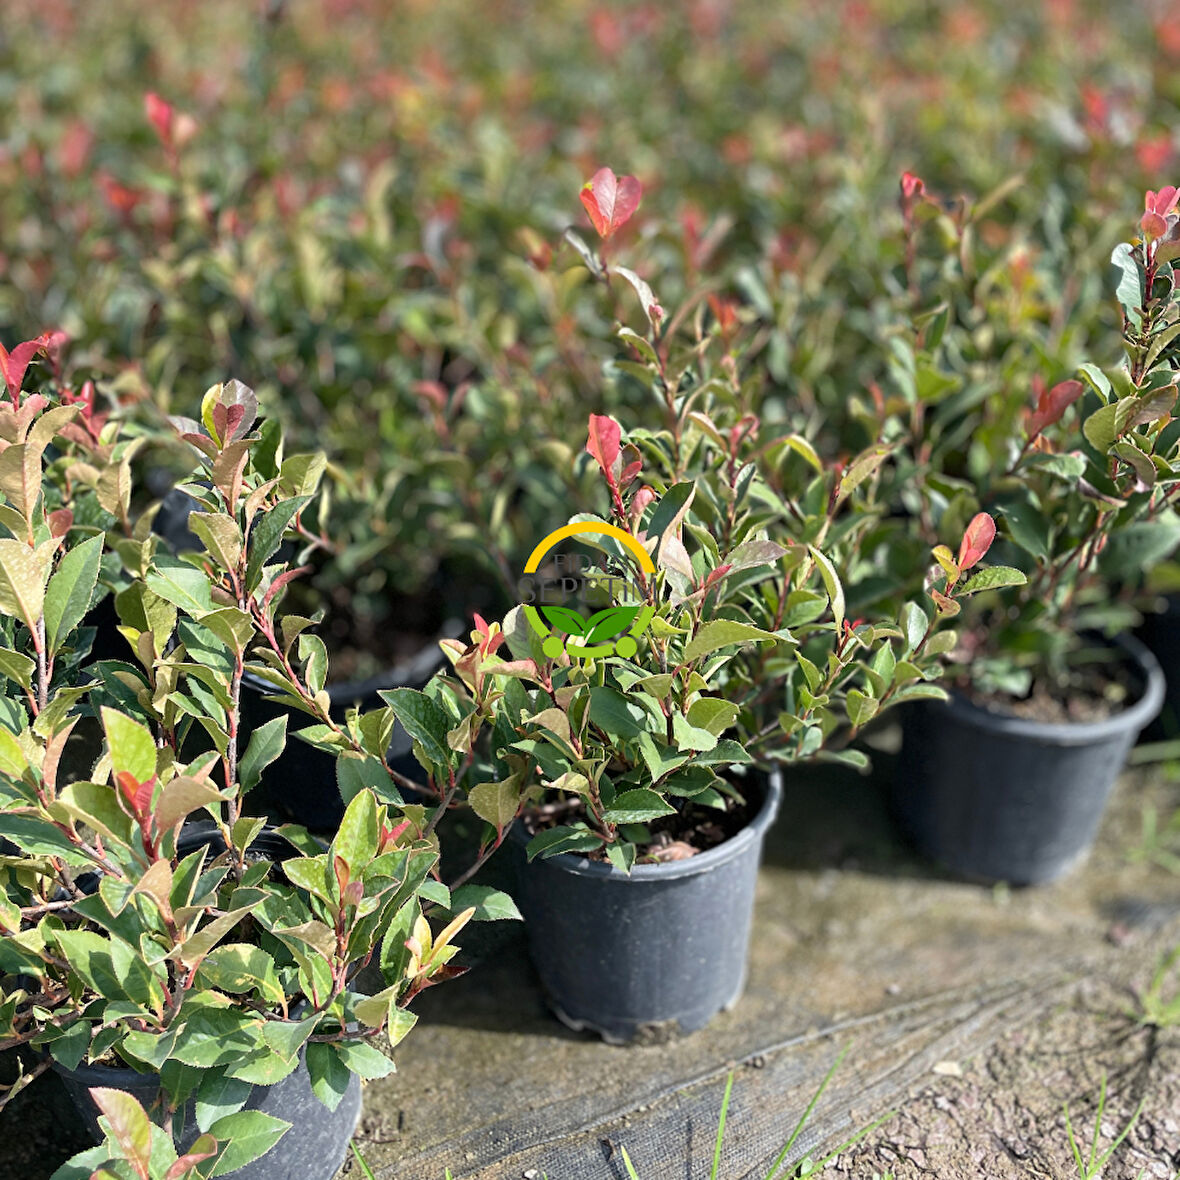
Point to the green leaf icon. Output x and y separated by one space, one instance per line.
564 619
606 624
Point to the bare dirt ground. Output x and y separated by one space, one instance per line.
1004 1117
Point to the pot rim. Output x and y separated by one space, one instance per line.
703 862
1074 733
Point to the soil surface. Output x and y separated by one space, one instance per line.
1002 1114
690 830
1094 693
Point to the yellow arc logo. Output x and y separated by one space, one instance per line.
625 645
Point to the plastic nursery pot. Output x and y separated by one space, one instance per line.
993 797
315 1145
651 953
1161 633
312 1149
300 785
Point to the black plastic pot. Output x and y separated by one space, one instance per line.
1161 633
313 1148
652 953
999 798
300 785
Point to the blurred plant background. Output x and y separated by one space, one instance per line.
358 206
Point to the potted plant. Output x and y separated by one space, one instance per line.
1008 780
606 749
208 967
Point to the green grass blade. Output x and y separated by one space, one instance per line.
1122 1135
721 1129
1097 1125
863 1133
1073 1144
631 1173
782 1155
360 1159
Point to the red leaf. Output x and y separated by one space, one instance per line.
389 836
603 442
342 874
610 200
60 522
1051 404
13 364
281 581
977 540
159 114
204 1148
227 419
137 795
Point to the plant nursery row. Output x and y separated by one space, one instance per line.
341 501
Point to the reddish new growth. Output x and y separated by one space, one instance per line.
13 364
1160 214
977 540
1051 404
136 799
610 200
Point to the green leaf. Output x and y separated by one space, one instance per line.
832 584
246 1136
914 622
563 839
364 1060
1130 289
614 714
688 736
234 627
237 968
490 905
131 745
861 708
712 714
218 1095
424 720
23 574
68 595
221 536
182 585
265 745
1101 428
724 633
329 1075
496 803
637 806
993 578
358 772
17 667
267 535
358 835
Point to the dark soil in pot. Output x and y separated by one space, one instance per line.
995 797
653 953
